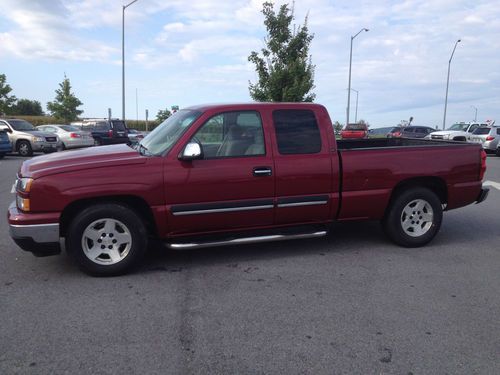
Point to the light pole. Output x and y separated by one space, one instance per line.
123 56
356 116
350 66
448 83
475 114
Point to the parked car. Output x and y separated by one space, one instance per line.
26 139
70 136
416 131
354 131
5 145
104 131
461 131
395 132
488 137
214 175
379 132
135 135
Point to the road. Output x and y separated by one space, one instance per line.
351 303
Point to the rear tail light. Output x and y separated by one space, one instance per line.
110 133
75 135
483 165
396 134
490 138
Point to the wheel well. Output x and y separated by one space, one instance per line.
137 204
435 184
22 140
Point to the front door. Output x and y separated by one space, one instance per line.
231 187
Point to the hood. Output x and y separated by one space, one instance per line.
87 158
447 132
37 133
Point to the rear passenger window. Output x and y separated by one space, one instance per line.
297 131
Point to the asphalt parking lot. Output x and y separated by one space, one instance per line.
351 303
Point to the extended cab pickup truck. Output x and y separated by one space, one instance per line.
231 174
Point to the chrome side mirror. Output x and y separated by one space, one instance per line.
192 151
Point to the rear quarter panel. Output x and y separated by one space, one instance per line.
370 175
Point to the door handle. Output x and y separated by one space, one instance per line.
262 171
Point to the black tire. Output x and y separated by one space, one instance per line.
97 142
24 148
93 220
414 217
498 151
2 155
63 146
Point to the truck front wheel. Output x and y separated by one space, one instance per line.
414 217
107 239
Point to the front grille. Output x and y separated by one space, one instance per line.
50 139
436 136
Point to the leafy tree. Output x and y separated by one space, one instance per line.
163 115
363 122
284 70
27 107
337 127
6 100
66 103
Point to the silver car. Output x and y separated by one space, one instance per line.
70 136
488 136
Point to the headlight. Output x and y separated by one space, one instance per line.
24 184
38 139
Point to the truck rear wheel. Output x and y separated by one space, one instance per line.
414 217
107 240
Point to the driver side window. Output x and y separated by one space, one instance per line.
232 134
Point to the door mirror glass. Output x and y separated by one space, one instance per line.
192 151
5 129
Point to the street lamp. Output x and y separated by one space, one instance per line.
475 115
123 56
350 66
448 82
356 116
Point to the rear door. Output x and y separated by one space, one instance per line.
232 187
306 167
119 131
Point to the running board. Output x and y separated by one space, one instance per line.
245 240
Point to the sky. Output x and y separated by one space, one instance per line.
192 52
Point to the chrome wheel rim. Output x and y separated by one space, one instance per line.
23 149
417 218
106 241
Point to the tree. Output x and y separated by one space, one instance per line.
65 104
284 70
337 127
27 107
6 100
163 115
363 122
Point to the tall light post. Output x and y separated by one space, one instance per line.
356 115
123 56
475 114
350 66
448 83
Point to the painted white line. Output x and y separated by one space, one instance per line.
493 184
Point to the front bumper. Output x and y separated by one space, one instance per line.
45 146
482 195
39 239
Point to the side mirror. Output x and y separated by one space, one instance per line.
192 151
5 129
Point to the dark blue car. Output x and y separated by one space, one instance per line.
5 145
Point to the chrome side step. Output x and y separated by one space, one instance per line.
245 240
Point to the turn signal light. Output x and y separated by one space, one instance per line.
483 165
23 203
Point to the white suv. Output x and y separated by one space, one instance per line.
461 131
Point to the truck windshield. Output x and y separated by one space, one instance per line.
168 132
21 125
458 127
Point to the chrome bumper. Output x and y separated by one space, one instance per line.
39 233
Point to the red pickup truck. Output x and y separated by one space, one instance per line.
232 174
